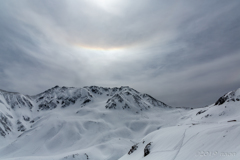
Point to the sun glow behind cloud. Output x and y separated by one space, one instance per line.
118 42
111 6
98 48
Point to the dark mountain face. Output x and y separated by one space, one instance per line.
6 125
16 100
126 100
232 96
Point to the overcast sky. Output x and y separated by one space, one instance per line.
183 52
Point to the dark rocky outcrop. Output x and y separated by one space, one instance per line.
6 124
147 149
221 100
200 112
232 96
134 148
20 127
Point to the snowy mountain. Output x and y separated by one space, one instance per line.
210 133
84 123
98 123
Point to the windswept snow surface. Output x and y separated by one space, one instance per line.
97 123
210 133
78 123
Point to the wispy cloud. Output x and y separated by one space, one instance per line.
182 52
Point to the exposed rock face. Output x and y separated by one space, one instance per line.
16 99
128 98
134 148
20 127
5 125
200 112
232 96
221 100
62 97
147 149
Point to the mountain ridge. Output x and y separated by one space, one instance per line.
101 123
77 114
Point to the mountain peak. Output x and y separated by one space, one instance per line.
80 122
128 98
232 96
3 91
117 97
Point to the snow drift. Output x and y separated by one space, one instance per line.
99 123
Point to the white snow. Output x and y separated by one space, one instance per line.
210 133
74 123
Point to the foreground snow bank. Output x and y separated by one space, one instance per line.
198 142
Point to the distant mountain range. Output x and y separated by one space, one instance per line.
99 123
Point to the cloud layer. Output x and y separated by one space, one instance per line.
184 53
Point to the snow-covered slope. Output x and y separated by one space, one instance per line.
98 123
226 108
79 123
210 133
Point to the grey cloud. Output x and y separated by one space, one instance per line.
181 52
198 85
84 24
